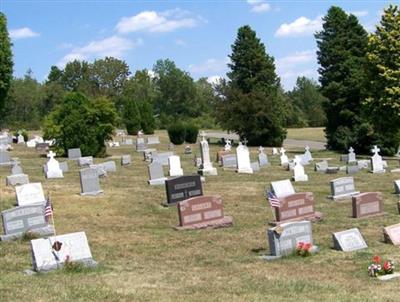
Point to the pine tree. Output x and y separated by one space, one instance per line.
147 121
341 52
252 104
383 100
6 61
131 116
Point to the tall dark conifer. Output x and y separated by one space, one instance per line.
6 61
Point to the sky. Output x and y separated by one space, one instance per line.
196 35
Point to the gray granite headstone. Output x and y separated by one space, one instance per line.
156 174
344 157
397 186
128 141
101 172
349 240
75 247
64 166
85 161
140 144
255 166
125 160
352 169
152 140
162 158
90 183
20 220
109 166
342 187
17 179
5 159
321 166
16 168
262 159
284 238
74 153
229 161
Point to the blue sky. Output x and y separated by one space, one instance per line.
197 35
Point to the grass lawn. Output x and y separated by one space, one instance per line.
313 134
142 258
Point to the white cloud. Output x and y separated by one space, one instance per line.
23 33
151 21
361 13
210 66
214 80
300 27
258 6
113 46
180 42
301 63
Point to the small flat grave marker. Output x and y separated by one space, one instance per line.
349 240
17 179
392 234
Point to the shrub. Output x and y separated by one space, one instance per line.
80 122
177 133
191 133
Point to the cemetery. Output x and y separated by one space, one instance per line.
236 179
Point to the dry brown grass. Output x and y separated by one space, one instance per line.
142 258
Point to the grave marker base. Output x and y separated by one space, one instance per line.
157 182
316 217
343 196
40 232
227 221
92 193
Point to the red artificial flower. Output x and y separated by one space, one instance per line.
300 245
386 266
307 246
377 259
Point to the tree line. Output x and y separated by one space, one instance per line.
359 84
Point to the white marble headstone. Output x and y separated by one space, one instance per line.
282 188
243 159
30 194
175 168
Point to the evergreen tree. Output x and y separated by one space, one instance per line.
6 61
147 121
341 53
383 100
252 103
131 116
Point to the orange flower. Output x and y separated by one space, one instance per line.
377 259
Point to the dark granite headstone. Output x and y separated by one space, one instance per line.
183 187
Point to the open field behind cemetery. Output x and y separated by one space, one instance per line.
142 258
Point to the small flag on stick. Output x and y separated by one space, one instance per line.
273 200
48 209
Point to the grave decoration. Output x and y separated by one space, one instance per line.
202 212
383 270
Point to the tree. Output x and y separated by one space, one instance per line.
76 77
383 100
252 102
308 102
6 61
81 122
176 92
55 74
108 76
131 116
341 54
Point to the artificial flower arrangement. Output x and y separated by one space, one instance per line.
377 269
304 249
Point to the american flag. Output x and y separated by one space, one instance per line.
273 200
48 210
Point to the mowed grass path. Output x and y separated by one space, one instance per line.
142 258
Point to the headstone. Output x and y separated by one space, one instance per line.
202 212
188 149
101 172
228 145
321 166
206 167
298 206
74 153
171 146
162 158
53 169
30 193
42 148
31 143
367 204
17 179
391 234
85 161
197 162
255 166
351 156
307 154
184 187
376 161
397 186
352 169
283 239
348 241
298 171
148 154
90 184
262 157
113 144
344 157
175 168
16 168
275 151
363 164
140 145
74 247
282 188
20 139
156 174
153 140
5 158
229 161
343 187
284 158
128 141
243 159
125 160
64 166
332 170
109 166
20 220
